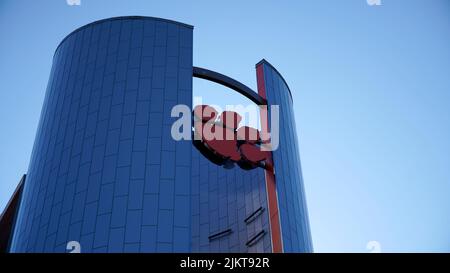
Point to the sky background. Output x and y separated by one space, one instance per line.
370 84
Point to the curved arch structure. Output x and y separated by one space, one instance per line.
216 77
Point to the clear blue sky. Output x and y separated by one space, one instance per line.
371 88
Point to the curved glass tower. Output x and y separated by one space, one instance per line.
106 175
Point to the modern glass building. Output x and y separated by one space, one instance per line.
106 173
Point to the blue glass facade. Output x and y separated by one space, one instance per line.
292 208
222 199
105 171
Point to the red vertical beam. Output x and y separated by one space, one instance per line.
272 198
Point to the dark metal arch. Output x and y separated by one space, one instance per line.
213 76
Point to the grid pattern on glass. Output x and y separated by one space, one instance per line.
104 170
289 181
222 199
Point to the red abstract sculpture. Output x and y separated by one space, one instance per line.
221 141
